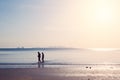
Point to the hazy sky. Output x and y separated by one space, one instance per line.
69 23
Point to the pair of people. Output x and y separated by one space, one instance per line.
40 57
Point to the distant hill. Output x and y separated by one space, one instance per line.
23 49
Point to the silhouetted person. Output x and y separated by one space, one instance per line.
42 57
39 56
90 67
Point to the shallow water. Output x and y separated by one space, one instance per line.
60 58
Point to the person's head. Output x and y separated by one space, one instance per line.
38 52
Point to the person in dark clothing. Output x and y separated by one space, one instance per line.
42 57
39 56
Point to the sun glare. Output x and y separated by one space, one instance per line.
103 14
103 49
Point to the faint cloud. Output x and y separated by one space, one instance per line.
30 6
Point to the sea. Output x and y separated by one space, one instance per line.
96 58
78 64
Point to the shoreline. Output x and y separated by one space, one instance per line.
58 65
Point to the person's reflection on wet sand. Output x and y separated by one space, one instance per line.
88 79
40 65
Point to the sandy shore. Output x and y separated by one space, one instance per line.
31 74
57 74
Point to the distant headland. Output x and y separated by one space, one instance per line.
27 49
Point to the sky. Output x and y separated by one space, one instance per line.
60 23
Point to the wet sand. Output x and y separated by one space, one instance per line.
58 74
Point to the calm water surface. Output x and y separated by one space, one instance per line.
60 57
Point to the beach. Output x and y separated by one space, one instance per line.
65 73
60 65
59 39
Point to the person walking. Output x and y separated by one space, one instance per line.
39 56
42 57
